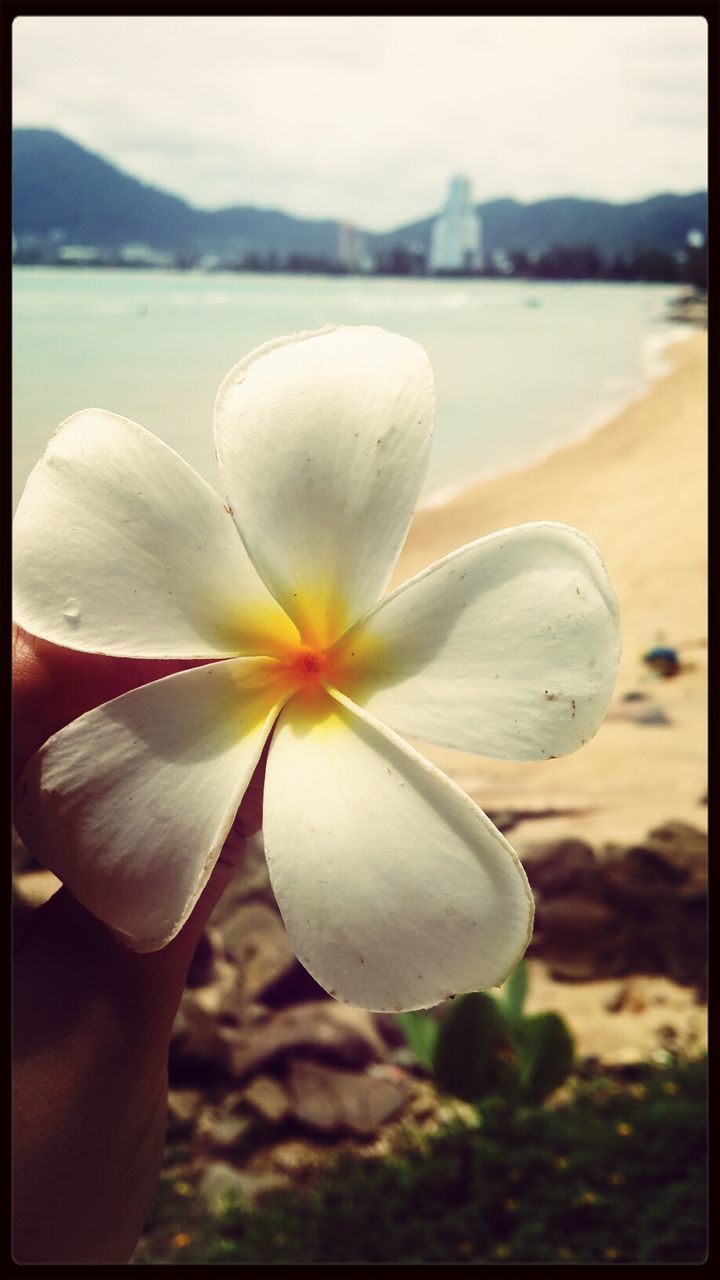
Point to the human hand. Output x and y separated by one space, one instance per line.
92 1019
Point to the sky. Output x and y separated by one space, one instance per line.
365 119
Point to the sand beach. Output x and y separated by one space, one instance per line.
638 488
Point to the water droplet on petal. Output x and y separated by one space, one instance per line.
71 611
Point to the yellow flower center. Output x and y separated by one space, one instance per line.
308 659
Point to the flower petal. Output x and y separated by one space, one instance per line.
396 890
121 548
323 441
131 803
508 647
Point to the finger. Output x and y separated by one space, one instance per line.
53 686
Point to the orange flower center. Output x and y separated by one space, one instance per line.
309 666
308 669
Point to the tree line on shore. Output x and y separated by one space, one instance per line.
560 262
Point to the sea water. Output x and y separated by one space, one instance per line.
520 367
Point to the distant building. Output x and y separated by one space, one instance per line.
78 254
456 243
351 249
142 255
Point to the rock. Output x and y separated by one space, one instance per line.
254 936
183 1108
580 939
660 888
681 941
221 1187
294 986
327 1100
683 847
267 1098
325 1029
561 866
637 872
227 1131
504 819
196 1037
639 908
250 881
390 1030
573 918
297 1157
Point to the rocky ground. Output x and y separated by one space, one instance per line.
270 1077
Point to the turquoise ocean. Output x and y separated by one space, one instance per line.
521 368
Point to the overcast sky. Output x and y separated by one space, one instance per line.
366 118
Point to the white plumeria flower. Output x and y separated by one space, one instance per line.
396 890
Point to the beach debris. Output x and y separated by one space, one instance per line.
691 307
663 660
651 715
640 714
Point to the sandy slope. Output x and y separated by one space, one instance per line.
637 487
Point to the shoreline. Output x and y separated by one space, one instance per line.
637 487
657 360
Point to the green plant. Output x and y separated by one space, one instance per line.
614 1174
487 1046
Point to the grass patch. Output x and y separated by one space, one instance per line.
616 1174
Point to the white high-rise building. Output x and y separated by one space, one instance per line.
456 243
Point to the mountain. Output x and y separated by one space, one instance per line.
60 187
65 192
660 222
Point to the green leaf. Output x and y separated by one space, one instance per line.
421 1032
545 1054
513 993
465 1062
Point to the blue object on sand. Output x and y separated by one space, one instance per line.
662 659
